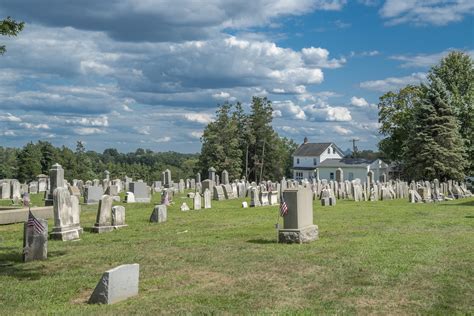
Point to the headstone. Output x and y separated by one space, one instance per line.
93 194
42 182
118 216
198 177
264 198
64 226
273 197
165 199
5 188
218 193
209 185
159 214
225 177
103 221
167 179
15 191
116 285
207 198
254 198
212 174
197 201
184 207
141 192
129 197
35 240
298 226
56 180
245 204
228 192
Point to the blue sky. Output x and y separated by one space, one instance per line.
143 73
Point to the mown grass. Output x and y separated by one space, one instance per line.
387 257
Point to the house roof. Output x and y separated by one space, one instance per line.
313 149
346 162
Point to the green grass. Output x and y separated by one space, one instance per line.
372 257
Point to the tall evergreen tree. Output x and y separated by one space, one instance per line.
435 148
456 71
29 162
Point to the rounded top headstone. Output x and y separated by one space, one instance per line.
212 169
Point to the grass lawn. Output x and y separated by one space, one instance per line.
387 257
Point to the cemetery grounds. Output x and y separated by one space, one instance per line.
384 257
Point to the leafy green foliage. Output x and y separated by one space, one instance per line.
428 129
245 144
26 163
9 27
435 148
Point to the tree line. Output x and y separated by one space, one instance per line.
33 159
429 128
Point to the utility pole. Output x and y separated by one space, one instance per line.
263 157
354 147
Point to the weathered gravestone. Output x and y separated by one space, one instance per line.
298 226
129 197
66 226
218 193
197 201
207 185
207 198
184 207
103 221
118 216
225 177
117 285
56 180
254 198
228 192
35 239
159 214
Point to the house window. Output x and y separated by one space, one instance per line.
331 176
299 175
334 150
329 150
315 161
297 161
351 176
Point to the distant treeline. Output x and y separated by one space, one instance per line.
26 163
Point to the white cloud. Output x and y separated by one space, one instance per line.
88 131
317 56
341 130
221 95
202 118
33 126
360 102
290 109
7 133
126 108
423 12
162 139
8 117
393 83
101 121
423 60
144 130
195 134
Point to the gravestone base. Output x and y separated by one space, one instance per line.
101 229
298 236
119 226
142 200
64 234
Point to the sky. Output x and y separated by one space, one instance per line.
131 74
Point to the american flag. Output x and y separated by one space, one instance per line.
283 206
35 223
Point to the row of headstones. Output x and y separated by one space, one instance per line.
426 191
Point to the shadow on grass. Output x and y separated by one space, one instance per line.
262 241
11 264
466 203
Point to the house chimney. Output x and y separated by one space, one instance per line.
305 141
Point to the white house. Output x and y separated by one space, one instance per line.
326 161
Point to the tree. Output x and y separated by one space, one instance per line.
9 27
220 146
395 117
456 71
29 162
434 148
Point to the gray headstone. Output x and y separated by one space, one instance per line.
159 214
118 216
117 285
35 242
